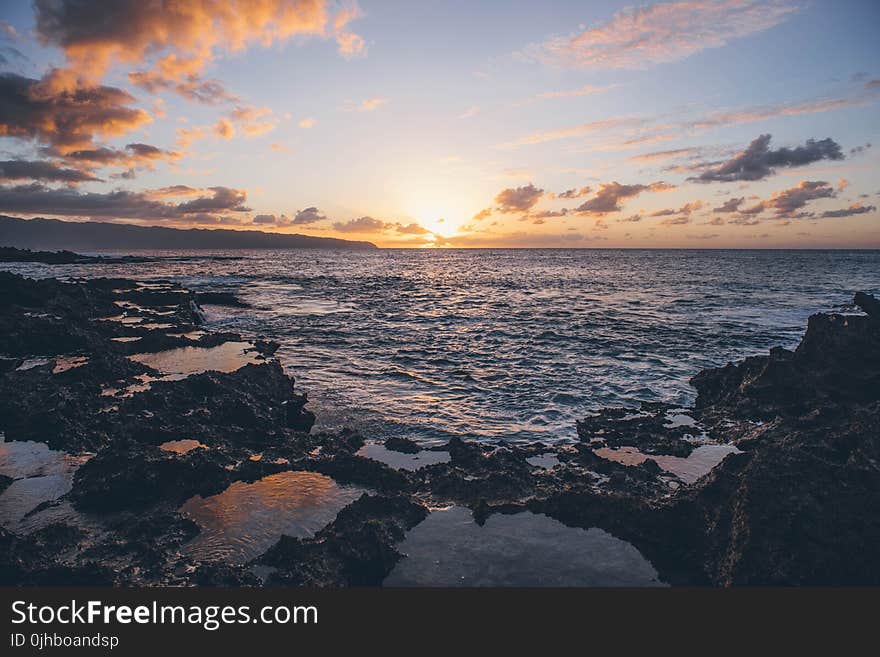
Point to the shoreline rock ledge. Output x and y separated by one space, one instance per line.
86 394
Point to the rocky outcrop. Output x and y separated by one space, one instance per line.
796 505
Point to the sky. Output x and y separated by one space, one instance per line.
694 124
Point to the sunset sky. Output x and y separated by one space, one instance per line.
725 123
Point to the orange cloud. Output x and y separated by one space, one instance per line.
65 111
93 36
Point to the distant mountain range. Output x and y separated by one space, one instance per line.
91 236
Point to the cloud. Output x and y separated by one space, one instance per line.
223 198
758 161
40 170
95 35
546 214
8 31
678 216
638 37
367 105
411 229
308 216
631 219
252 121
8 55
518 199
664 155
36 198
175 191
307 122
785 204
64 112
582 130
469 113
852 210
586 90
485 213
224 129
271 220
133 155
371 225
676 221
730 205
180 75
350 45
575 193
609 196
359 225
636 131
764 113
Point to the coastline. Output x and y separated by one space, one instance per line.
795 419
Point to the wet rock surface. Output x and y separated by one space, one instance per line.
796 505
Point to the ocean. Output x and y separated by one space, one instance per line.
510 345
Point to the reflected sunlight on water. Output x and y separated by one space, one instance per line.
245 520
183 361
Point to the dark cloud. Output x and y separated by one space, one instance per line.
758 161
270 220
852 210
575 193
308 216
631 219
63 111
371 225
40 170
36 198
132 156
730 205
359 225
518 199
547 214
682 215
609 196
223 199
787 203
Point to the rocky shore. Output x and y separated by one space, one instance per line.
112 387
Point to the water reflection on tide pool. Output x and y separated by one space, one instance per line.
401 461
245 520
181 362
525 549
41 475
698 463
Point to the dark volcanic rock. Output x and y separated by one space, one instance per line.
648 429
868 303
128 475
12 254
403 445
220 299
796 506
799 507
356 549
